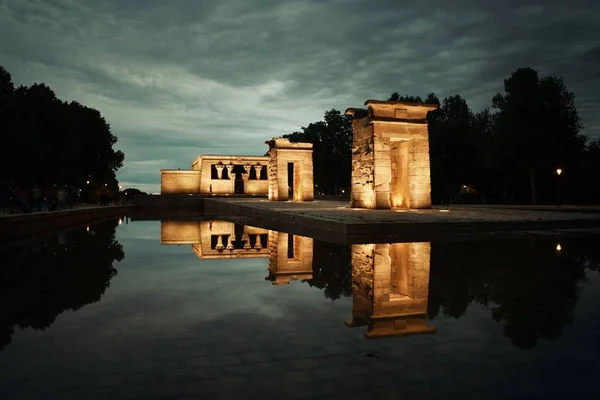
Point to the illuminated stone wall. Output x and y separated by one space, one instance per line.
179 182
200 179
390 155
289 263
282 152
225 179
179 232
390 287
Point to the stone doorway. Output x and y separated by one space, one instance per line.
239 184
399 193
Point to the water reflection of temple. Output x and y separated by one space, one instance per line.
290 256
390 288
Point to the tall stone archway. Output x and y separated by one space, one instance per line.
290 170
390 155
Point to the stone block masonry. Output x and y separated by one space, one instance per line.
299 186
390 155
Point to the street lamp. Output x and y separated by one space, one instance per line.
88 182
558 173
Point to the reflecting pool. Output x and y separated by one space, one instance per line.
215 309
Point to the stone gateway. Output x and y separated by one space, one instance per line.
290 170
390 155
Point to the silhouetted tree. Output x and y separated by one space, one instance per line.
537 129
44 278
332 269
45 140
529 286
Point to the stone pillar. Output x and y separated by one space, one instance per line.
258 244
257 169
219 168
231 177
219 245
230 242
247 168
230 170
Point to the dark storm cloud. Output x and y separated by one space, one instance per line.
182 78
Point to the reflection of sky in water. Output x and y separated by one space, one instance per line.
165 300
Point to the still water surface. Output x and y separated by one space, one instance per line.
212 309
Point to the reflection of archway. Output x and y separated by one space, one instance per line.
390 288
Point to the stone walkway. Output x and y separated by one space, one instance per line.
326 217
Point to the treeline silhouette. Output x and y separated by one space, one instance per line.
508 153
47 141
527 284
63 271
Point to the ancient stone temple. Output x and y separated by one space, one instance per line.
219 174
290 256
290 170
390 288
390 155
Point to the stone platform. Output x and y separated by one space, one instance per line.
334 221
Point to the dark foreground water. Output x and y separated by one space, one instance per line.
226 311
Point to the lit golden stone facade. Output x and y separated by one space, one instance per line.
290 256
219 174
179 182
390 155
287 158
390 287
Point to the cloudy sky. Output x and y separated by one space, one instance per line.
180 78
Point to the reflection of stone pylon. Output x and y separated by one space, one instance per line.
390 287
282 267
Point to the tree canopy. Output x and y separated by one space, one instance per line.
332 157
49 141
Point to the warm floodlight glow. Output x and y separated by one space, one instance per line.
120 221
558 171
390 165
444 210
558 247
400 210
87 228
